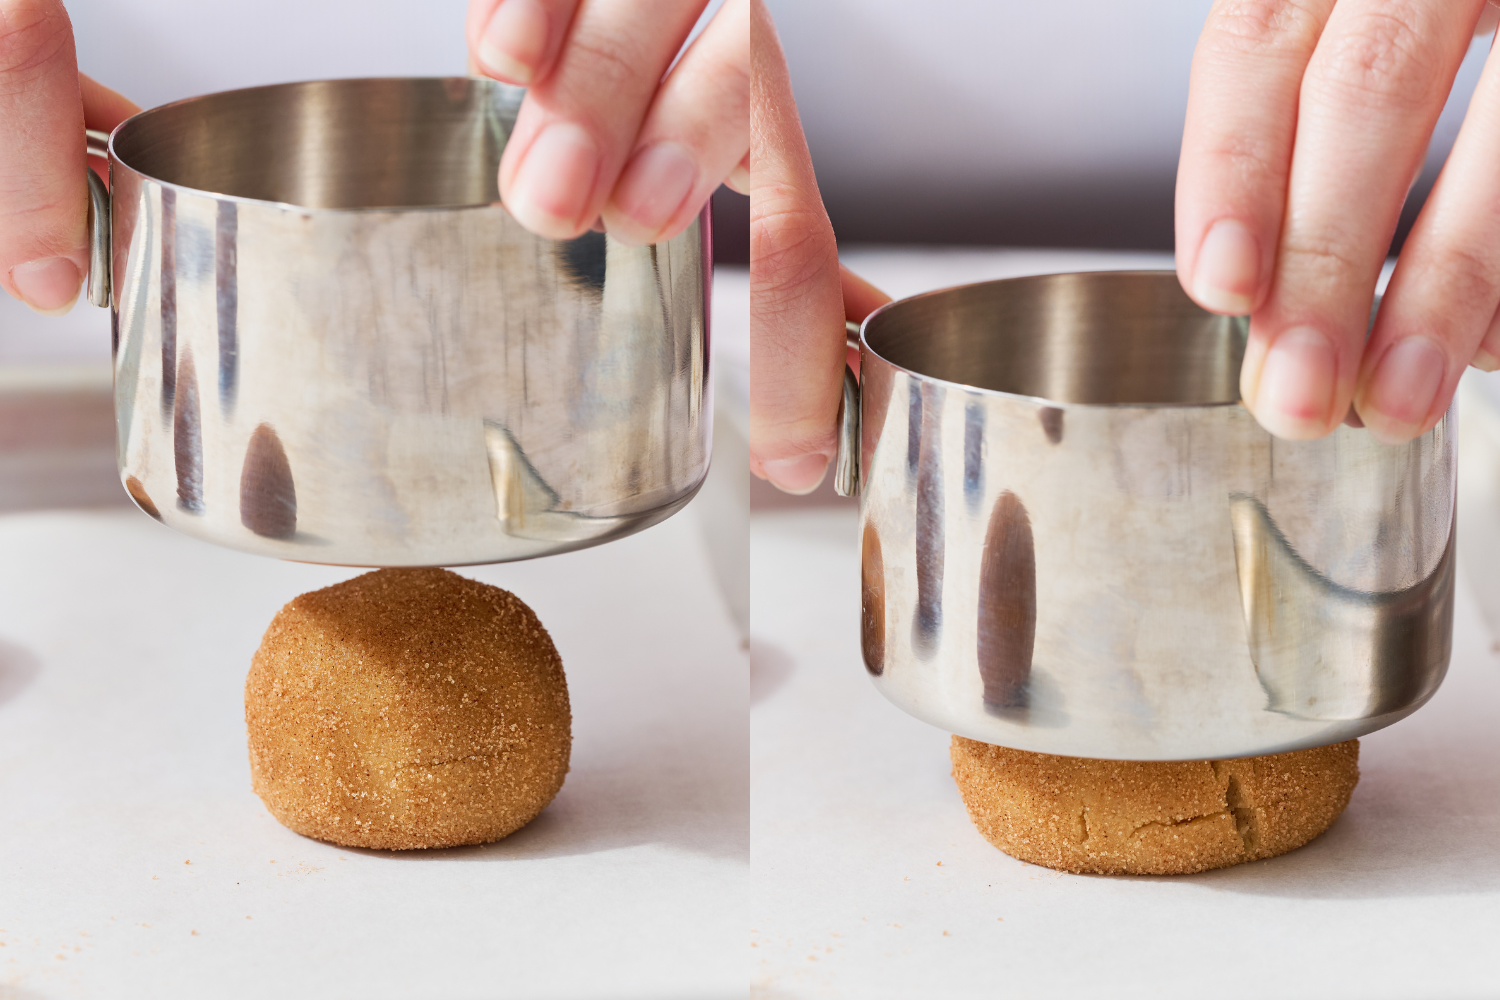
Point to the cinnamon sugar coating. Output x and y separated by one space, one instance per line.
407 708
1116 817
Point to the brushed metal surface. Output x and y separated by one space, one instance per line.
332 344
1076 541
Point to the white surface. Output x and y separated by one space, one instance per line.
123 650
729 337
852 808
723 503
1479 493
870 882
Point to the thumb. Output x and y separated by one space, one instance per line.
43 193
796 306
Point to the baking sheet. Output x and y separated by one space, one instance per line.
870 882
136 862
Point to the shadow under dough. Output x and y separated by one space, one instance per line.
1369 853
689 794
770 666
18 668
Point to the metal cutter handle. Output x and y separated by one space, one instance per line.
98 145
846 465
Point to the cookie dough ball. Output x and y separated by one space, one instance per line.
1118 817
407 708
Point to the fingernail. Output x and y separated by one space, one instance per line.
739 178
798 476
1297 384
553 186
1485 361
1402 389
652 189
1227 273
515 39
49 286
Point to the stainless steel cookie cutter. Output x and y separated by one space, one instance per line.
332 344
1075 540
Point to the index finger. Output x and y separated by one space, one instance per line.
796 305
43 197
1237 153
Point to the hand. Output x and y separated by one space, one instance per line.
45 104
799 294
1308 121
601 134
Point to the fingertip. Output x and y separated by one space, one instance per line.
498 64
49 286
104 107
739 178
1250 366
1400 392
648 202
513 42
1390 433
550 191
860 297
798 476
1226 273
1294 394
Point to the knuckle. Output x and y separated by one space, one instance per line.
1323 258
1466 273
1256 26
33 227
1386 57
732 79
790 248
777 438
610 64
31 36
1247 156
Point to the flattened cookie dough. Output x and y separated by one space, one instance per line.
1116 817
407 708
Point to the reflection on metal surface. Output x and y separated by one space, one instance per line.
167 292
846 461
1007 605
1132 519
1325 651
527 508
334 256
187 437
973 456
872 601
98 292
268 494
1479 494
584 261
138 494
226 299
913 431
521 497
928 618
1052 423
